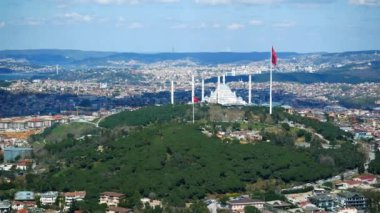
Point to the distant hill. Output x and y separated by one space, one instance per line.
5 70
346 74
75 57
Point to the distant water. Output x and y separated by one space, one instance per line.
23 76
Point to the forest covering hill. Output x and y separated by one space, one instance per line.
156 152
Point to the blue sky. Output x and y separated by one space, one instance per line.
191 25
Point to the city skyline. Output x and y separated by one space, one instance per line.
191 26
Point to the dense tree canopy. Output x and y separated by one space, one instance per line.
175 161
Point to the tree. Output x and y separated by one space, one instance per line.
198 207
361 168
251 209
133 202
38 201
224 200
285 126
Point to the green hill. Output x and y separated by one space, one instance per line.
175 161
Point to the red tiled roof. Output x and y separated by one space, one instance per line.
352 182
112 194
367 177
75 194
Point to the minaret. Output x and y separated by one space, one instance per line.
217 90
192 89
56 69
172 93
249 89
203 89
224 79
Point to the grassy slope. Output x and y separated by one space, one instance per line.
61 132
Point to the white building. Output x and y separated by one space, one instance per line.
71 196
223 95
110 198
48 198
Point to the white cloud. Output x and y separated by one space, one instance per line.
31 21
2 24
365 2
285 24
77 17
117 2
216 25
255 22
213 2
135 25
123 2
219 2
262 2
235 26
120 21
180 26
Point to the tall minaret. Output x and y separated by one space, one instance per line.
217 90
203 89
192 89
56 69
172 93
250 89
224 79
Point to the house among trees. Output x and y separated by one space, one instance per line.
324 201
351 199
367 179
74 196
5 206
239 204
111 199
48 198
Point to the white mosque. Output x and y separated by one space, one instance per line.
223 95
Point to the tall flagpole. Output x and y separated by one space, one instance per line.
203 89
249 89
172 93
193 94
270 85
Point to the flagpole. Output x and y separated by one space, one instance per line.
193 93
193 112
270 84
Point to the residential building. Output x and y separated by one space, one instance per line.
152 203
48 198
23 164
5 206
352 199
110 198
367 179
24 196
114 209
324 201
277 206
18 205
71 196
239 204
11 153
347 210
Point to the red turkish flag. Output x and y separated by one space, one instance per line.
196 100
274 57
